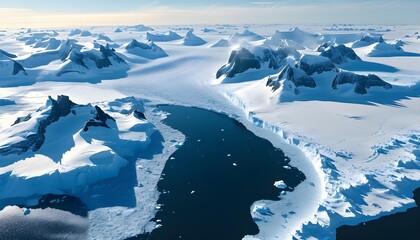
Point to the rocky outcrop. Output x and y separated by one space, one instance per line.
295 75
100 120
243 60
7 54
50 113
361 82
311 64
17 68
58 108
76 60
10 66
339 54
139 115
239 62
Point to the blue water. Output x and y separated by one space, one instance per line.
203 195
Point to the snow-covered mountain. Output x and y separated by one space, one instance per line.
300 71
193 40
238 38
260 57
11 72
78 63
93 146
339 54
165 37
147 50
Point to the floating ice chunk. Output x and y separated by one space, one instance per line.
280 184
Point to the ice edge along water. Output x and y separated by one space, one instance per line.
313 186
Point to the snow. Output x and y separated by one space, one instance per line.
159 37
83 157
193 40
147 50
24 223
359 153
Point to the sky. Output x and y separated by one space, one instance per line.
67 13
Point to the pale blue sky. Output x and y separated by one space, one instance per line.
210 11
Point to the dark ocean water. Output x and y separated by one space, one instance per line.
209 184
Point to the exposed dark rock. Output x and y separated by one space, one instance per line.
322 47
139 115
243 60
274 83
101 115
275 58
239 62
109 52
99 120
17 67
295 75
22 119
7 54
339 54
316 64
102 59
59 108
362 83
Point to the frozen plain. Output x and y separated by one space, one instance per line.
359 152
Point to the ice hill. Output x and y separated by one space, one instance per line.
366 40
11 72
90 63
147 50
237 38
34 37
140 28
93 146
77 63
158 37
295 38
384 49
47 43
193 40
45 56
